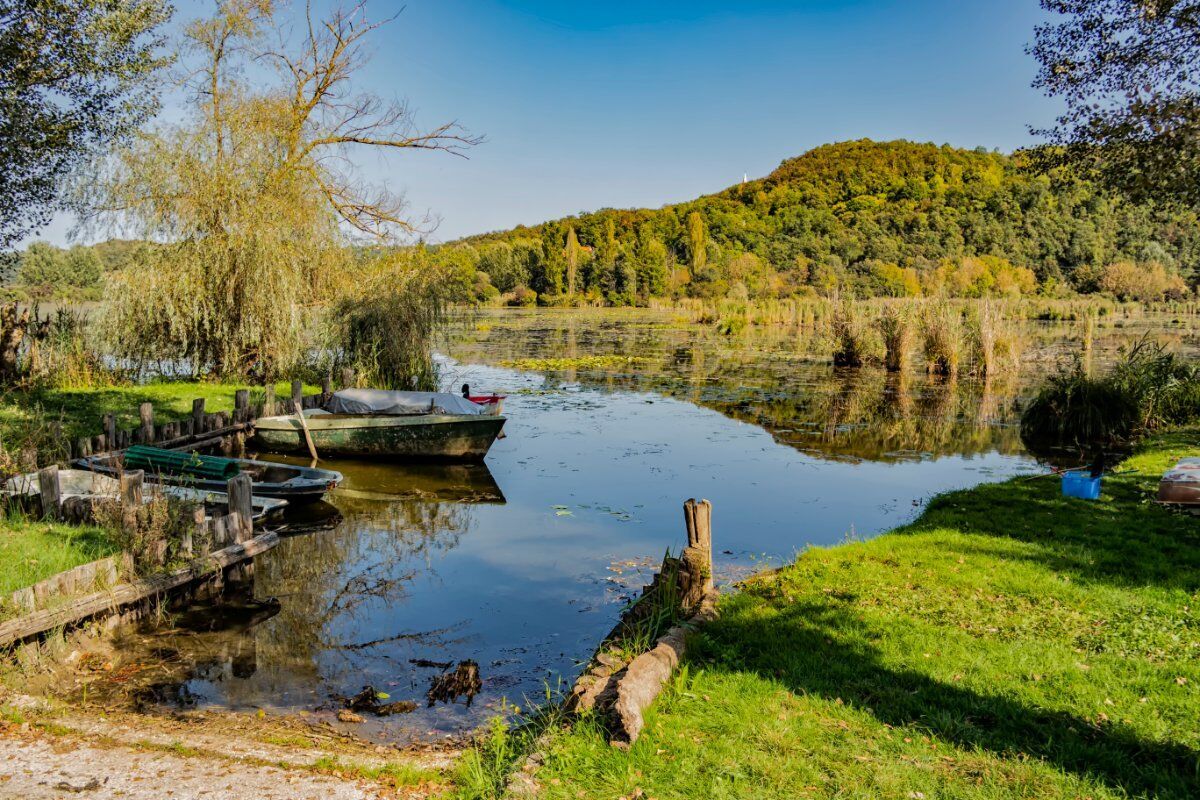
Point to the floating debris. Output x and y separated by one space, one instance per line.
449 686
370 700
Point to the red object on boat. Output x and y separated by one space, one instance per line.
494 403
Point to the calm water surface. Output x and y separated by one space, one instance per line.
523 564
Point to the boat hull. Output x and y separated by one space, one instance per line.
427 437
297 485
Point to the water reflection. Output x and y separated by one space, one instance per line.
522 564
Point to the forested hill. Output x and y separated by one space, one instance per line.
893 218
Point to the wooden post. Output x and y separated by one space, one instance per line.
198 415
326 389
109 422
241 405
697 558
240 488
297 392
131 496
51 493
347 378
146 413
83 446
269 400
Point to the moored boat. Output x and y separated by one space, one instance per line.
296 484
90 485
374 423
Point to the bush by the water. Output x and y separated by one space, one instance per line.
1149 388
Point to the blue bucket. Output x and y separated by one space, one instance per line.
1079 483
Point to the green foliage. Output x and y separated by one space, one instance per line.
1148 389
384 329
1126 71
1011 643
75 76
868 218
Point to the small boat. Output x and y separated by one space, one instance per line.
96 486
375 423
1180 485
295 484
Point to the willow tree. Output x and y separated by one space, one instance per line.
254 195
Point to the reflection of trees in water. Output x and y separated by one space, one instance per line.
774 378
332 580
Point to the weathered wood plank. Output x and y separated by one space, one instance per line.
101 602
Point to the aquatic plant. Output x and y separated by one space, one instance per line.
995 343
895 324
1149 388
855 343
942 335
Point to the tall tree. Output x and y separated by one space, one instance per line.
256 198
697 242
75 77
572 254
1129 72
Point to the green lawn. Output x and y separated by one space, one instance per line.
34 551
80 410
1009 644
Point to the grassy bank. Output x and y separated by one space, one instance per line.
32 551
1009 643
80 409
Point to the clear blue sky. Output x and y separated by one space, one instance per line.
595 103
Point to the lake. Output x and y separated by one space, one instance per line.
524 563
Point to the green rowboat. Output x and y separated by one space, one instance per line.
438 437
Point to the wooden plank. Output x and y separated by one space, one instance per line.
125 594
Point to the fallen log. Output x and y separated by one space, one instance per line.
91 605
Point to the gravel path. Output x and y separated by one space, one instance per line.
33 767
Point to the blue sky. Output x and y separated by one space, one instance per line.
589 104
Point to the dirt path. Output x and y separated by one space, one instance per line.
49 750
43 766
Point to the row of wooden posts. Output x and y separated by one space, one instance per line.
201 428
214 532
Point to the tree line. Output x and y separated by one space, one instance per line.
864 218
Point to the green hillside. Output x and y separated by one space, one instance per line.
893 218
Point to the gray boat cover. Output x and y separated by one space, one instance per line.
383 401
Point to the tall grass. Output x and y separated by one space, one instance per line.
855 342
897 328
1148 389
995 343
942 339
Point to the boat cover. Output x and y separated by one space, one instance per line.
383 401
